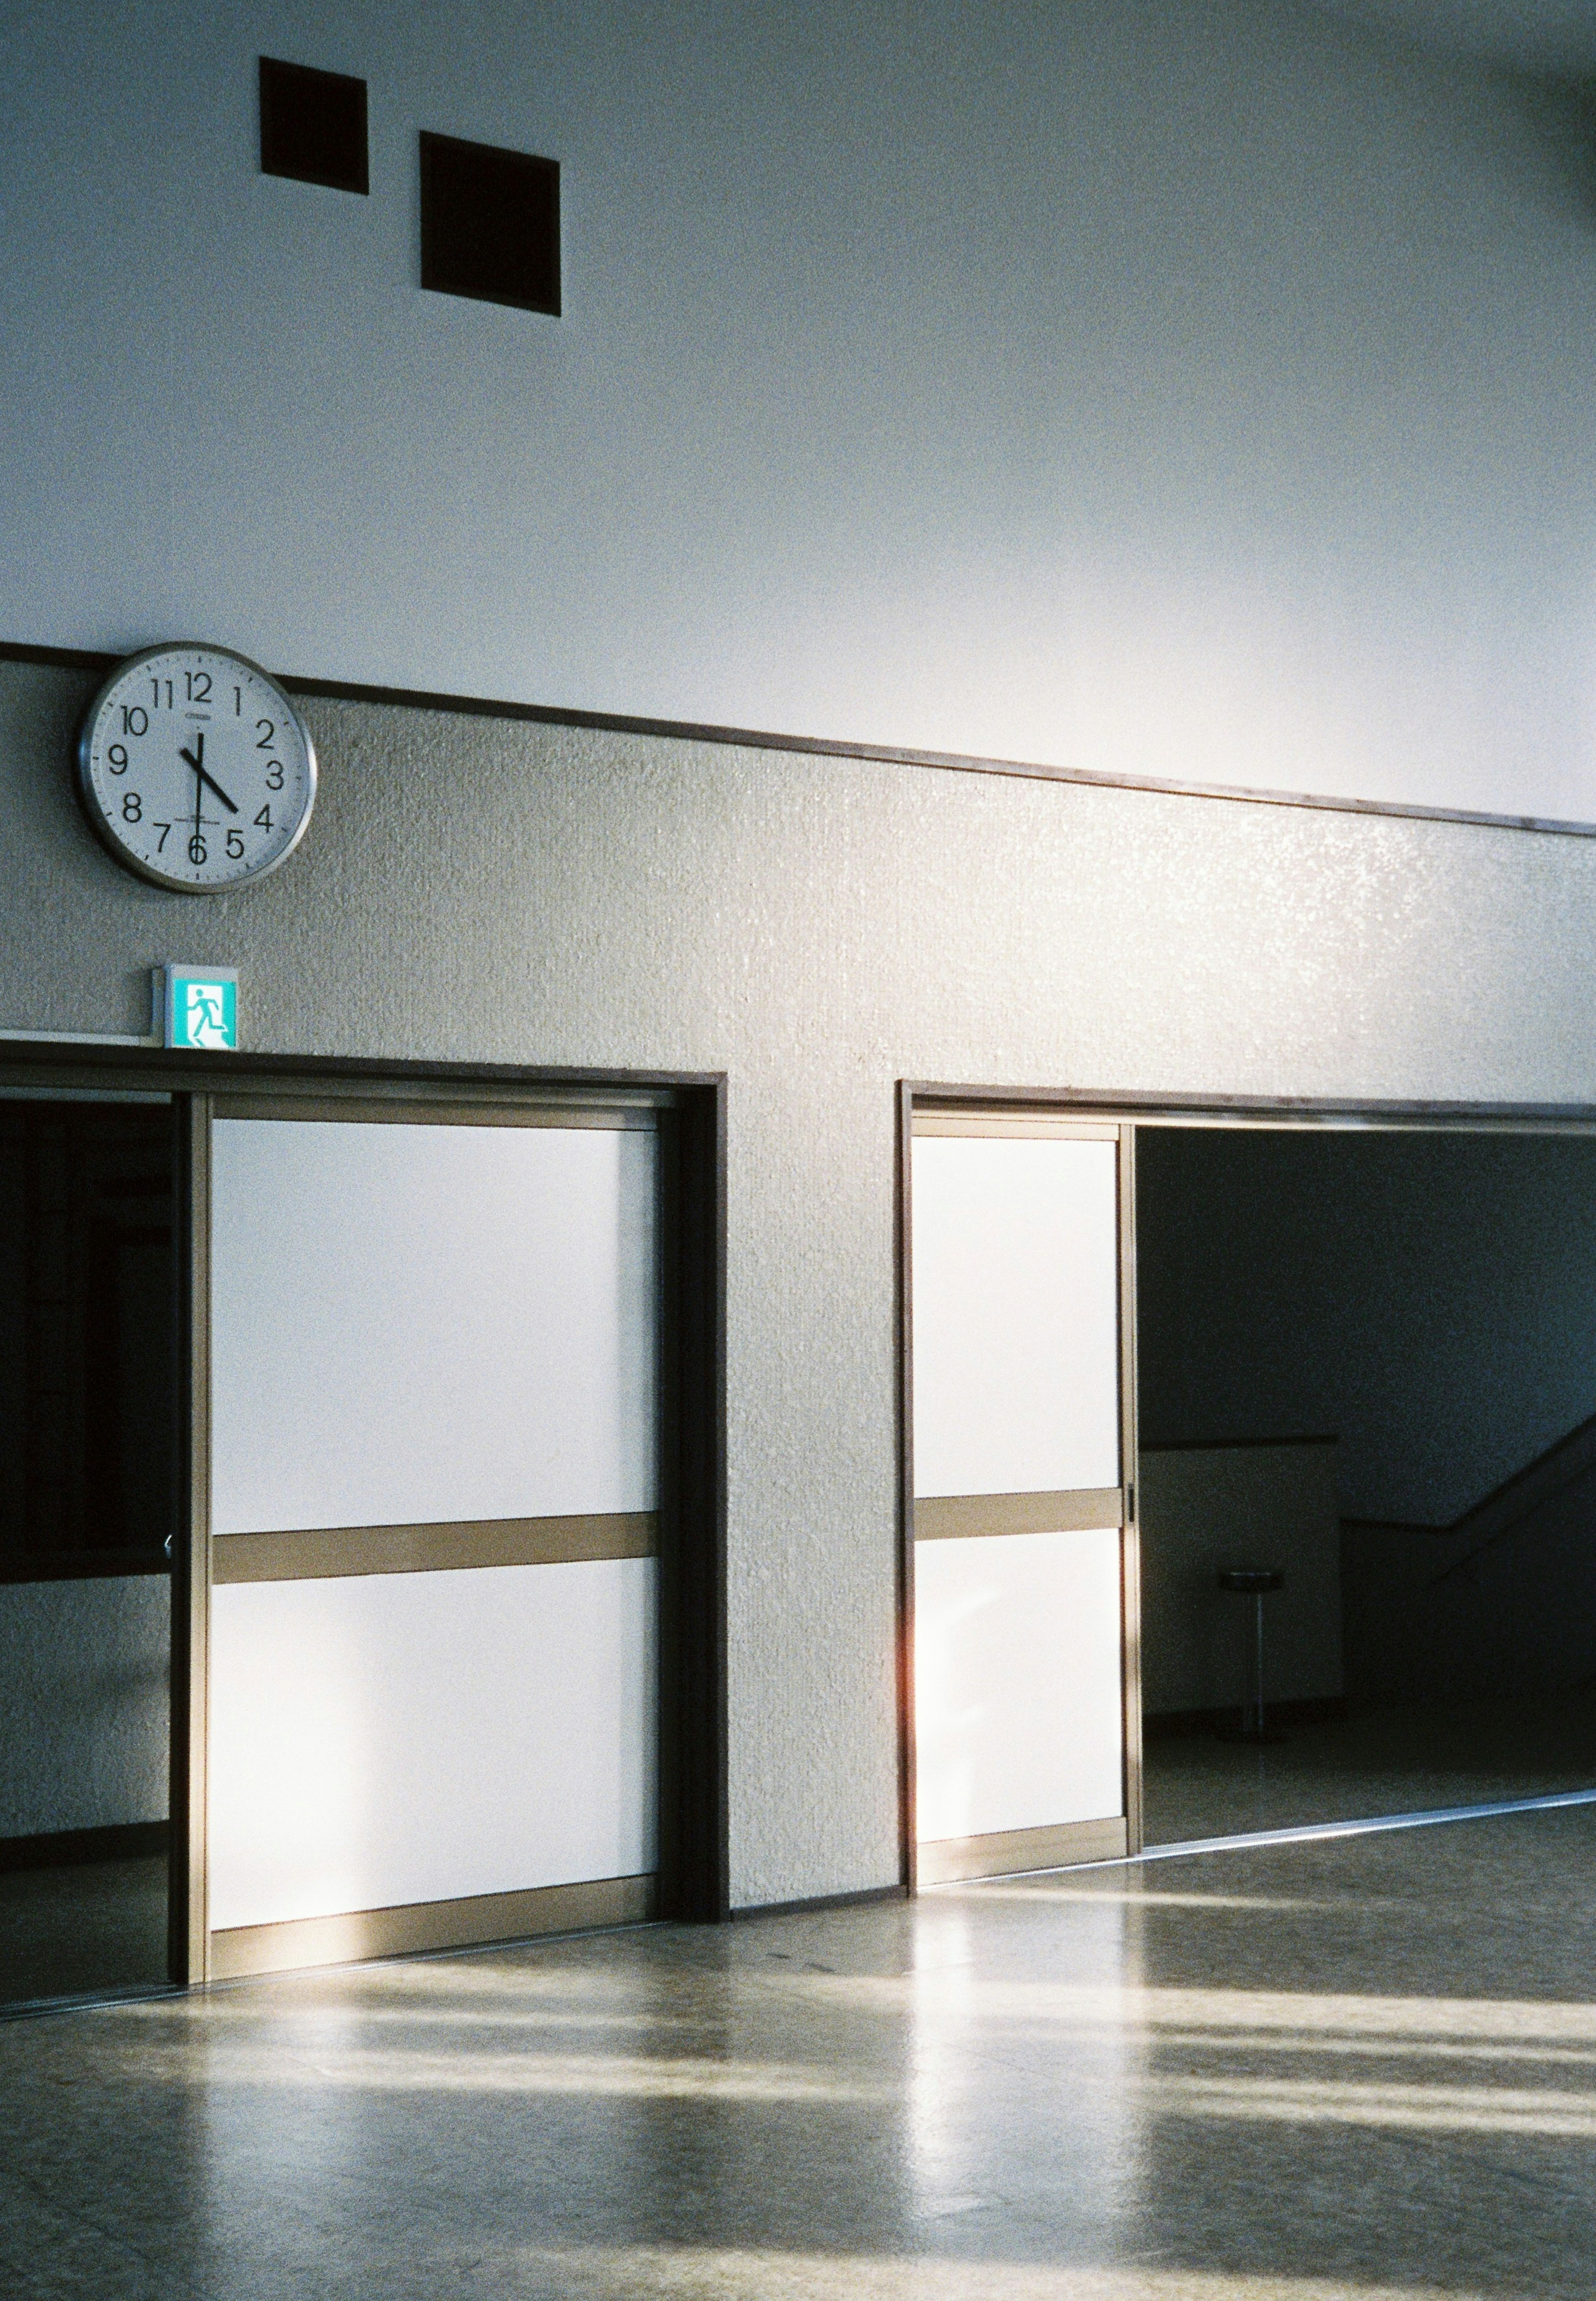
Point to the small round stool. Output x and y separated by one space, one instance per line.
1255 1583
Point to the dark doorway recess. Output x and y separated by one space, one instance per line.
91 1476
1367 1358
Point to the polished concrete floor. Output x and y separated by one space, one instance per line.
1377 1762
82 1926
1364 2067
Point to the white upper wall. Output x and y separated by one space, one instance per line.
1174 391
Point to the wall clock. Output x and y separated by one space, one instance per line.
195 769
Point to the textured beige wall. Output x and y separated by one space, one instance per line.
478 888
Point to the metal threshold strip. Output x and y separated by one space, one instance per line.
1310 1833
1307 1832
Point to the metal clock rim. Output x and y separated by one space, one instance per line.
88 798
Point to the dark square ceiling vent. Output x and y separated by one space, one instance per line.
490 224
313 126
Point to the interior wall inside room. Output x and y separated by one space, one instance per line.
1204 1509
1194 392
1428 1299
85 1704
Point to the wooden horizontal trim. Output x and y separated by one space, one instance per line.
1037 1126
1295 1710
955 1518
641 1116
546 715
1239 1446
87 1566
58 1849
1007 1852
320 1553
411 1928
1275 1113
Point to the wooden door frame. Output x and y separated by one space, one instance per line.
1126 1110
694 1872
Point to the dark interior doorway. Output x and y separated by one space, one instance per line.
90 1485
1368 1360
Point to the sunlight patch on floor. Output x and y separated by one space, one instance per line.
1419 2108
706 2273
392 2069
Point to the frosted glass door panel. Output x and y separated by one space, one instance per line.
1016 1315
1017 1682
389 1738
423 1324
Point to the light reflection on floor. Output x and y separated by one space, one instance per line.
1403 1760
1361 2068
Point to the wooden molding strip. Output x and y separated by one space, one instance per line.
1025 1126
325 1552
955 1517
412 1928
1006 1853
638 1113
114 1841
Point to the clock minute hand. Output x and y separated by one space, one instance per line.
206 777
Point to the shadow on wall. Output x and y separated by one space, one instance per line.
85 1671
1207 1508
1431 1298
1502 1601
1560 108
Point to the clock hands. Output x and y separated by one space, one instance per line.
195 760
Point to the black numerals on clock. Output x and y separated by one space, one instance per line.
190 833
197 689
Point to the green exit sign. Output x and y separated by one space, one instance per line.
199 1006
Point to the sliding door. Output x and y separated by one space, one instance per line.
1024 1558
432 1672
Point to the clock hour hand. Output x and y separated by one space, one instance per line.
204 777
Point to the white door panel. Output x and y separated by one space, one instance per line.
1018 1389
415 1323
386 1739
1017 1682
1016 1315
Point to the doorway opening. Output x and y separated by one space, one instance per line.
1367 1365
91 1492
1348 1495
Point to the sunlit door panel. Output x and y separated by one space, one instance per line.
433 1655
1019 1432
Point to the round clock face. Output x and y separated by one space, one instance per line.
195 769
